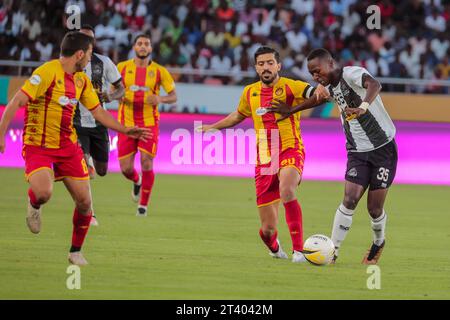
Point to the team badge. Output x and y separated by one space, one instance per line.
261 111
35 80
279 91
79 82
352 172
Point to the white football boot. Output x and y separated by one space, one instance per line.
280 254
298 257
34 218
77 258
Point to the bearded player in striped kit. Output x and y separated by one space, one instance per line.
371 147
280 150
142 79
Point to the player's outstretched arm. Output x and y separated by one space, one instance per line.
155 99
105 118
116 94
373 88
19 99
286 111
229 121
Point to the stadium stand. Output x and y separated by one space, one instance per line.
223 35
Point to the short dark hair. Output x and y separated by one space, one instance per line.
142 35
319 53
88 27
74 41
266 49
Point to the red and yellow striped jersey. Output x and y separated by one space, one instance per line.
54 95
140 83
255 99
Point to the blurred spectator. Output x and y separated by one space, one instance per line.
224 12
303 7
215 37
105 35
45 48
296 38
223 34
435 21
410 60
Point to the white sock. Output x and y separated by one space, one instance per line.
341 225
378 227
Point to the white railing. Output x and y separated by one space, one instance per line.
247 74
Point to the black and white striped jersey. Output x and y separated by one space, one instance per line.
370 131
102 72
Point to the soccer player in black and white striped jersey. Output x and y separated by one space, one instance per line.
371 148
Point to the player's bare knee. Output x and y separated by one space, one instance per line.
84 205
43 196
350 202
375 211
127 171
287 194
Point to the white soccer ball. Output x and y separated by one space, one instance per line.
318 249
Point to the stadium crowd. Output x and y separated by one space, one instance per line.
222 35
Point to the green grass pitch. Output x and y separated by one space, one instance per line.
200 241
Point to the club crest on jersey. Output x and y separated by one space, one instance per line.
279 91
352 172
35 80
79 82
261 111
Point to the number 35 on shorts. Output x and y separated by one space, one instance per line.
383 174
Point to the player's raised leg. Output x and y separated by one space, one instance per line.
39 193
344 214
375 206
148 178
128 170
268 215
289 181
80 192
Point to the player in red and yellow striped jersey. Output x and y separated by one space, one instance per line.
280 148
50 147
142 79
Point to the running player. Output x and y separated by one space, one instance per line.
143 79
92 135
371 148
280 151
50 148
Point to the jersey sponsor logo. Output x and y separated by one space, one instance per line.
135 88
64 101
261 111
35 80
352 172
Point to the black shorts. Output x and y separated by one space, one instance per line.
95 142
374 169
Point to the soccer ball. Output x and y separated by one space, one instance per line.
318 250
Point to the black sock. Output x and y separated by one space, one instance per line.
75 249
